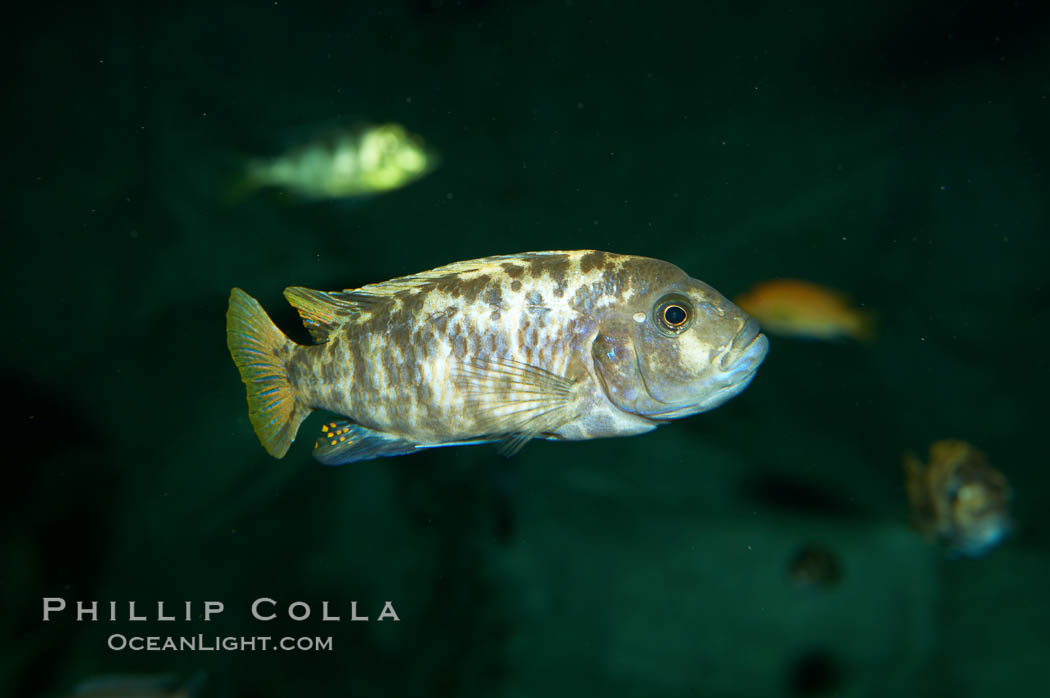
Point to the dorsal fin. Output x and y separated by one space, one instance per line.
385 289
321 312
369 294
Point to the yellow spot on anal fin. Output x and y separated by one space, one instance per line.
345 442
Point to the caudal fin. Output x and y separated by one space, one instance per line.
261 352
242 187
864 326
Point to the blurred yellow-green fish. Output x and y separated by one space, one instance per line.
348 163
796 308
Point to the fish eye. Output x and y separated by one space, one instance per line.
673 314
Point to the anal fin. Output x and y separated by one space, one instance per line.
344 442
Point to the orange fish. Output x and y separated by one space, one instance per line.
796 308
957 498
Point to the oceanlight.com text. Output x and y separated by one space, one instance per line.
217 643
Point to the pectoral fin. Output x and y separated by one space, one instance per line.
515 401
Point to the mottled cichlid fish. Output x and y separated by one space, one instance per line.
553 345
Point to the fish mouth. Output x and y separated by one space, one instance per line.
749 345
741 361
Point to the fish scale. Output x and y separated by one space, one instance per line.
499 349
435 405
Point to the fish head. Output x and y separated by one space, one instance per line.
976 496
980 520
392 157
676 348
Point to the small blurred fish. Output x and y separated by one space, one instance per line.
138 686
957 499
814 566
796 308
349 163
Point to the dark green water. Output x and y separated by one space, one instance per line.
895 150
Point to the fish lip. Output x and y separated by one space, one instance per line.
741 347
749 358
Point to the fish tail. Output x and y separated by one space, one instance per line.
918 494
254 175
913 469
863 326
241 188
261 352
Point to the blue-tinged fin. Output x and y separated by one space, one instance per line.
343 442
261 352
321 312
